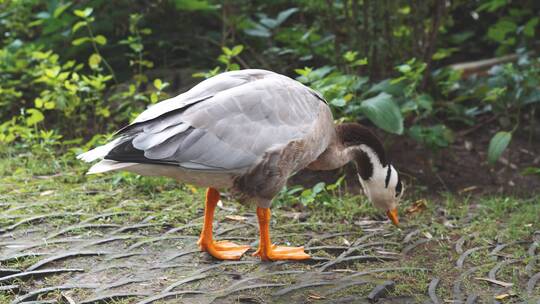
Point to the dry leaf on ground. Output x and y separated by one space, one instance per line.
500 283
238 218
418 206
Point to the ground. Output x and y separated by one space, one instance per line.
70 238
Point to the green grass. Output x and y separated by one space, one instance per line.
49 184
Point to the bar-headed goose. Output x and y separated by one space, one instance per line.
248 131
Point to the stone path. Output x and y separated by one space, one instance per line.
109 258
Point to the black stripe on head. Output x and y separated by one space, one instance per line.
388 173
353 134
363 165
399 186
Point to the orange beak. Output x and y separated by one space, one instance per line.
393 216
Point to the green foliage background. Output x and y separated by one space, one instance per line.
70 70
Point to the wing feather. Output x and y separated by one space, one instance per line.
237 118
202 91
169 148
147 140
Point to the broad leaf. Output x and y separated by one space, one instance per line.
386 86
52 72
78 25
38 102
237 49
530 26
94 60
158 84
492 5
258 31
35 117
533 97
383 112
531 171
83 13
499 31
100 39
497 145
227 51
269 22
284 15
194 5
80 41
49 105
61 9
43 15
338 102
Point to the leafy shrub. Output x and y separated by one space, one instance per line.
227 59
505 92
436 136
320 194
73 69
387 103
41 93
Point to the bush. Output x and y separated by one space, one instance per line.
74 69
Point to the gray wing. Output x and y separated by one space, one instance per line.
202 91
228 131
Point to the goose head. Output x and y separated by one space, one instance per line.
384 189
379 179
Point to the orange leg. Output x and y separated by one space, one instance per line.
269 252
223 250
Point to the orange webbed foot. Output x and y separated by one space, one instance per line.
223 250
276 253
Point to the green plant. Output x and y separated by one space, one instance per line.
135 43
405 89
43 93
286 195
498 143
317 192
266 26
435 137
320 194
228 55
86 21
57 91
337 87
516 27
531 171
382 61
138 91
226 58
343 93
412 73
386 103
507 90
416 106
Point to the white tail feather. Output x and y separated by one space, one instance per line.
107 165
101 151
